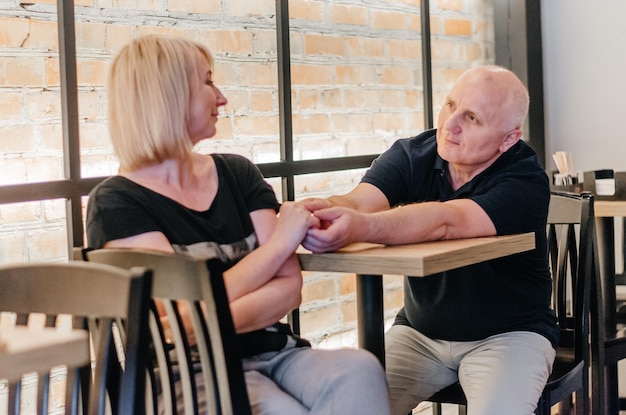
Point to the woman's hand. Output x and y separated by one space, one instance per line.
294 220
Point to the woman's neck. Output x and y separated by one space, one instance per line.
169 172
192 183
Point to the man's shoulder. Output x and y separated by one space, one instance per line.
421 144
521 157
425 137
522 151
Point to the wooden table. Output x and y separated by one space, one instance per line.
370 262
24 350
605 212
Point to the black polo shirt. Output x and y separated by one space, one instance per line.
489 298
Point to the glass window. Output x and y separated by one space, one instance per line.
33 231
30 103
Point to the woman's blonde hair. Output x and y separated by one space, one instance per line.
148 98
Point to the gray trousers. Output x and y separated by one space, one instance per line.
298 381
502 374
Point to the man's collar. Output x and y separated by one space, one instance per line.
440 164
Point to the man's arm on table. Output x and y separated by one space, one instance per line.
364 215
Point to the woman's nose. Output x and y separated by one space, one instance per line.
221 99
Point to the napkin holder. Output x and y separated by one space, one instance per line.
593 180
576 187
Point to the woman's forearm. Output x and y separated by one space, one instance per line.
267 305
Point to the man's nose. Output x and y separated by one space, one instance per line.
452 122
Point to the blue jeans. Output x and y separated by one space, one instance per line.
502 374
303 380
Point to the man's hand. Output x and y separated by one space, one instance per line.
339 227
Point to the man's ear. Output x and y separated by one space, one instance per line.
511 138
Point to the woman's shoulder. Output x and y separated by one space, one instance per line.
115 184
117 189
236 165
233 160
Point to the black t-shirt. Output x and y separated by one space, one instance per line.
503 295
120 208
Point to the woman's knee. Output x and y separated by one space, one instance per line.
360 361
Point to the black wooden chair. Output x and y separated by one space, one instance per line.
573 263
181 281
108 301
608 307
608 339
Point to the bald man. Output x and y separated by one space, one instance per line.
490 325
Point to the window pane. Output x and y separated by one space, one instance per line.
326 184
30 103
243 44
356 72
33 231
242 39
461 37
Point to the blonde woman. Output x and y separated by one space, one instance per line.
162 101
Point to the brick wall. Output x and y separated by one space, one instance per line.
357 86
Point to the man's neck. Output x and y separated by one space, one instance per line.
459 175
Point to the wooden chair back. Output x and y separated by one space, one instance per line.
109 302
573 261
186 285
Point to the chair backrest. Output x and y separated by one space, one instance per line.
572 252
107 300
186 285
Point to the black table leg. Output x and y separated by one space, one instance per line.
606 250
370 314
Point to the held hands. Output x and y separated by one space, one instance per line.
339 226
319 226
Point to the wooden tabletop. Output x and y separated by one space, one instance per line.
606 208
24 350
418 259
